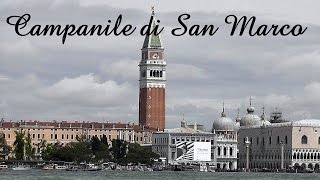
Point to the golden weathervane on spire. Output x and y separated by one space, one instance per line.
152 10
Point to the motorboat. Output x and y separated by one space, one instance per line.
21 168
3 166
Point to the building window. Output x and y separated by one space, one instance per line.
304 139
269 140
56 136
231 151
286 140
278 140
219 151
62 136
263 141
257 140
224 151
319 140
174 141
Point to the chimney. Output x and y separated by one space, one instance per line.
195 127
102 126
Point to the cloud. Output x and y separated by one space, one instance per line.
87 91
123 69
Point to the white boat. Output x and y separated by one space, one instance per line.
48 167
21 168
3 166
54 166
60 167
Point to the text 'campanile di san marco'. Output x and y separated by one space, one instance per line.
152 81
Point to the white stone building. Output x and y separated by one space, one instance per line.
278 145
176 145
226 148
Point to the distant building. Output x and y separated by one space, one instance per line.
226 148
278 145
183 145
66 132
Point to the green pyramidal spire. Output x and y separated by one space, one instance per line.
152 41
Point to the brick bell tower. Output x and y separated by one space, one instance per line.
152 82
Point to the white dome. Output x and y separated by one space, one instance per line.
250 119
237 126
223 124
264 121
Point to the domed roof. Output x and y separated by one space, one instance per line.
250 119
264 120
223 123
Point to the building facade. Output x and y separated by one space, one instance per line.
226 150
66 132
177 146
279 145
152 82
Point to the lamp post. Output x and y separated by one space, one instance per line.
247 143
282 155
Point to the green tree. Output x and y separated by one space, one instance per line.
135 152
119 151
4 148
19 145
100 148
28 147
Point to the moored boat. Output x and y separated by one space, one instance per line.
21 168
3 166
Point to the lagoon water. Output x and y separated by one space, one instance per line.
123 175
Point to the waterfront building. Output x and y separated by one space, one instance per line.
65 132
225 130
152 81
182 145
278 145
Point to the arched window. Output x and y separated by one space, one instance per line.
219 151
231 151
151 73
304 139
225 151
263 141
154 73
278 140
144 74
160 73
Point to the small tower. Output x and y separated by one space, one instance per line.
152 81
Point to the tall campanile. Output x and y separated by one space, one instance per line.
152 82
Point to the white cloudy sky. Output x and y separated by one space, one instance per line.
96 78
